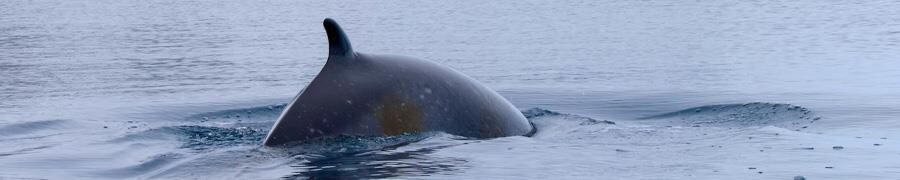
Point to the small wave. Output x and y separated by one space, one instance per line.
23 151
538 112
200 137
535 113
206 137
30 127
741 115
151 164
551 124
253 114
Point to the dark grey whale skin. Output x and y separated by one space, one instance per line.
359 94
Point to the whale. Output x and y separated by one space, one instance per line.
361 94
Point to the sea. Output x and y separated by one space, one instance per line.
618 89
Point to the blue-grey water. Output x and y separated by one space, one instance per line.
186 89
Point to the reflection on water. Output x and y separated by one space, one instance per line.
378 164
375 157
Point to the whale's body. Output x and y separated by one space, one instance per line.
359 94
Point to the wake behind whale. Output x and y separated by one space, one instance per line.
234 134
741 115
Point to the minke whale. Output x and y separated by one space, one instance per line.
357 94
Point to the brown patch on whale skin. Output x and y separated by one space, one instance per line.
399 116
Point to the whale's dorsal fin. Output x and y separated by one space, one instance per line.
338 43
